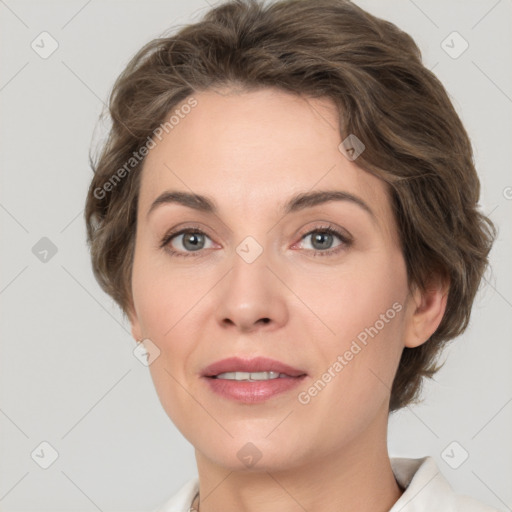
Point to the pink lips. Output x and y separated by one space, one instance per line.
257 364
251 392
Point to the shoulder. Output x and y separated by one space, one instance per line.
427 489
182 499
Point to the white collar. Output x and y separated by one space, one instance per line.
426 490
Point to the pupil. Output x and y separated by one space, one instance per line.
323 237
192 239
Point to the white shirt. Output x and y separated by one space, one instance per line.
426 490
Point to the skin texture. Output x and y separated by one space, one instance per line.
250 152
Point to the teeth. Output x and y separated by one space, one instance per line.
250 376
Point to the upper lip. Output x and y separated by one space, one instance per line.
257 364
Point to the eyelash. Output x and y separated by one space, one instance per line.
327 229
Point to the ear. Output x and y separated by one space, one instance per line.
425 311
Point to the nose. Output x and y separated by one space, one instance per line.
252 297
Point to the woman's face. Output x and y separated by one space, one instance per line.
259 278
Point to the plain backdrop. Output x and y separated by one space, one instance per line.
68 376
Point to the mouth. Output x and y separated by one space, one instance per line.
258 368
250 376
251 380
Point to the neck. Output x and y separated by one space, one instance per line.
355 477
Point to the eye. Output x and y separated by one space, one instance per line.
322 239
185 242
191 241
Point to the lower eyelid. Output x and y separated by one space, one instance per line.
344 241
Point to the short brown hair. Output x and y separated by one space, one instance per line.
413 137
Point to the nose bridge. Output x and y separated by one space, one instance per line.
251 295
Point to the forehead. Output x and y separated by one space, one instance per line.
254 150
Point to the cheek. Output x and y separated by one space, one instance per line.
362 310
167 301
160 295
164 303
349 299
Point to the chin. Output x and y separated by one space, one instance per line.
262 453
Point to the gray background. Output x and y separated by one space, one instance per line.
67 372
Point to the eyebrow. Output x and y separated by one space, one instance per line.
296 203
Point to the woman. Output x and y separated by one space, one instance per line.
286 211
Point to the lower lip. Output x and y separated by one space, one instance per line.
253 392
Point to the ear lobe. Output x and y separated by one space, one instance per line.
427 308
135 324
136 333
